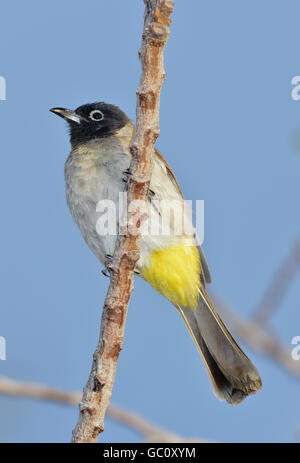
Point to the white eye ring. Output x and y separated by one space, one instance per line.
96 111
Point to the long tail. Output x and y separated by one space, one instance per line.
233 376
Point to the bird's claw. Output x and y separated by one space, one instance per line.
126 175
151 194
105 272
108 267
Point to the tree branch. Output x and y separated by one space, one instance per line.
279 285
98 390
12 387
149 431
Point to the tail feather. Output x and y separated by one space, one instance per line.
233 376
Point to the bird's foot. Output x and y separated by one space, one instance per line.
108 265
151 194
126 175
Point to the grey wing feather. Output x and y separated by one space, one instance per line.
204 265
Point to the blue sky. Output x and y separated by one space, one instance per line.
229 129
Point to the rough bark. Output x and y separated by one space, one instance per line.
98 390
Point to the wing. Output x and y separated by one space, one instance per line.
169 171
174 181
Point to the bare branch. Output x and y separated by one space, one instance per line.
38 391
279 286
149 431
98 390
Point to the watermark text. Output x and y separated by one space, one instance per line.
2 348
2 88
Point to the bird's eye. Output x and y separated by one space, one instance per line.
96 115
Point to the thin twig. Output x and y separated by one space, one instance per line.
279 285
149 431
98 390
38 391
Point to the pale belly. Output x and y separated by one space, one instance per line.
92 205
93 196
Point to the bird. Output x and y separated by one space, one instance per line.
96 172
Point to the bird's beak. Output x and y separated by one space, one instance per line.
66 114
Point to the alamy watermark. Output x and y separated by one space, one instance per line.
296 350
295 93
2 88
2 348
158 218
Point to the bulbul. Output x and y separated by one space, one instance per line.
173 264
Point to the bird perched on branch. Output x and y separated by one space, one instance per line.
96 170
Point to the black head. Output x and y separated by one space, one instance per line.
91 121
